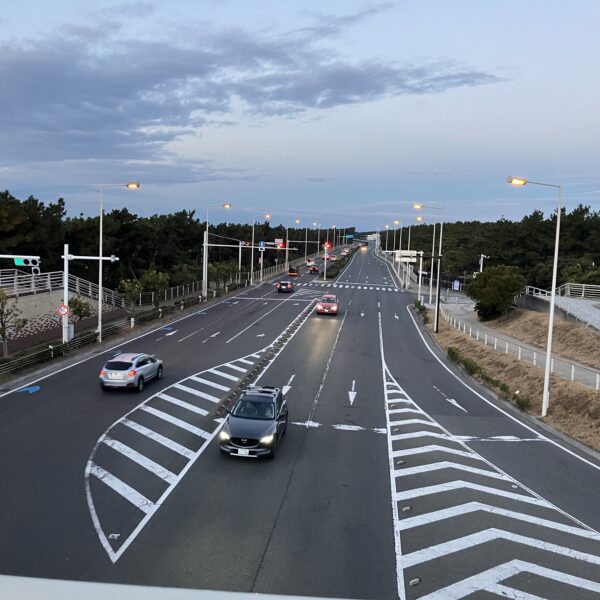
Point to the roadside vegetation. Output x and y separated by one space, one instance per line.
574 409
334 269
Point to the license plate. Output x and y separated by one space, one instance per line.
114 376
244 452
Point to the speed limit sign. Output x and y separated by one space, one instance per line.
62 310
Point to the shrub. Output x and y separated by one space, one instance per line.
471 367
454 354
422 310
494 291
522 401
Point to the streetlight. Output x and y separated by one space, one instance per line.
318 226
396 222
254 217
520 181
386 237
333 235
420 218
130 185
287 244
205 253
481 257
419 206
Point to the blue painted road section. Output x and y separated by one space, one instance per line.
32 389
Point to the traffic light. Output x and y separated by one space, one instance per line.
34 263
281 245
327 245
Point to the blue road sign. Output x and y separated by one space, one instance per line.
261 244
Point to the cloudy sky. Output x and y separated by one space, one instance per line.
337 111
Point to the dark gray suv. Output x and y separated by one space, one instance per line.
256 423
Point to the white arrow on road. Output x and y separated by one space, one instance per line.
362 313
396 316
352 394
171 333
451 400
288 386
260 335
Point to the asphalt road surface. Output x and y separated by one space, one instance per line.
395 479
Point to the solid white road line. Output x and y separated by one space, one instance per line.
476 393
141 460
255 322
160 439
122 489
175 421
481 537
217 386
235 367
224 375
246 362
448 465
196 392
434 448
191 407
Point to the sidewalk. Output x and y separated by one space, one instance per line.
461 315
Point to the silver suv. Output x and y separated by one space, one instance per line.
128 370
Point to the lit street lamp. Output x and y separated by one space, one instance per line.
386 237
131 185
419 206
205 253
520 181
254 217
396 222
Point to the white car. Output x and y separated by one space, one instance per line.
130 370
310 262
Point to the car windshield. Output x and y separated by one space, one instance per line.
254 409
118 365
328 300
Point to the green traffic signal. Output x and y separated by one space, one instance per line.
19 262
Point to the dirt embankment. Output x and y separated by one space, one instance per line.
574 409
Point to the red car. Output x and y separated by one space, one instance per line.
328 305
293 272
313 269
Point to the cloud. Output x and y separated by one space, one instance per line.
93 92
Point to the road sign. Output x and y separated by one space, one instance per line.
456 285
278 240
261 245
406 259
62 310
406 252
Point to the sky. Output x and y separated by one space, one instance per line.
336 112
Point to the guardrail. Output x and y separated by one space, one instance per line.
59 350
564 368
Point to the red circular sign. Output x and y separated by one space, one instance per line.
62 310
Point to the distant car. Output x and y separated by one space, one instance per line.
285 286
332 257
256 423
328 305
310 262
129 370
313 269
293 272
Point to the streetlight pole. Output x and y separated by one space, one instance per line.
131 185
386 237
254 217
432 253
481 257
205 253
546 393
439 265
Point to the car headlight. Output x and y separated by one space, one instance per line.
224 436
267 439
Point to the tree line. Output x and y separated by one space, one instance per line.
527 244
167 244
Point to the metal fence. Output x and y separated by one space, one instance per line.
59 350
568 370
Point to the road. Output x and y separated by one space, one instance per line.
395 478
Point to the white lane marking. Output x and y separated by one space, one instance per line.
141 460
234 367
435 448
224 375
108 350
196 392
490 581
191 407
378 304
419 434
288 386
492 534
175 421
260 335
255 355
124 490
352 393
498 438
451 400
396 316
279 304
217 386
171 333
460 484
471 507
448 465
362 313
476 393
246 362
307 424
157 437
191 334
